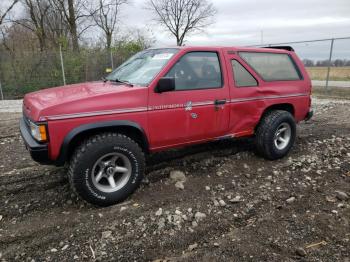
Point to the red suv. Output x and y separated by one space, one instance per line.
160 99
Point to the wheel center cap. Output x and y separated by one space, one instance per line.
110 171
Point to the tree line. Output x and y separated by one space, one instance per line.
90 33
336 62
51 23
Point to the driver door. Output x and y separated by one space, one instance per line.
197 110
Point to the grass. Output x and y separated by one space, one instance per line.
335 74
332 92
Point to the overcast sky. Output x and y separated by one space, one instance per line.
240 22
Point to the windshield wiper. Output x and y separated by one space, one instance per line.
124 82
104 79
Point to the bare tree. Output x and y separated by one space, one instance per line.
4 13
105 15
57 29
35 19
73 12
182 17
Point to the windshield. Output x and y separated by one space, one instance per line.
141 68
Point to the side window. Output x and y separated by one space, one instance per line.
241 76
272 66
197 70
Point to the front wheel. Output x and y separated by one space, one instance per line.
106 168
275 134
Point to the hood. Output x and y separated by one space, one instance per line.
85 98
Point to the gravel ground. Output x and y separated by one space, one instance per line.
234 206
10 106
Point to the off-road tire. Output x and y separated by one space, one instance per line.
89 152
266 131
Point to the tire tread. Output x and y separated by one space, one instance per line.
88 143
263 143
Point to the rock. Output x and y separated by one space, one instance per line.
300 252
199 216
290 200
178 212
340 205
207 188
54 250
192 247
69 202
179 185
161 223
216 203
222 203
1 217
65 247
123 208
177 219
177 176
236 199
216 244
106 234
341 195
159 212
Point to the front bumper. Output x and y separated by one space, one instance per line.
309 115
38 152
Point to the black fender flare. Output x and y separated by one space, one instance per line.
94 126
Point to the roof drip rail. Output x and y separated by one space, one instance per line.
288 48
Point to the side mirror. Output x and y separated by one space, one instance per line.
165 84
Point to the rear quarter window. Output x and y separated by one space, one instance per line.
272 66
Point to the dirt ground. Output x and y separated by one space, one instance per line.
235 206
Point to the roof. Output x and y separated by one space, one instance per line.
274 49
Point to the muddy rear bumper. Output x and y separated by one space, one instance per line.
38 152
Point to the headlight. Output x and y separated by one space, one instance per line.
38 131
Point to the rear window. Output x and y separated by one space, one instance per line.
272 66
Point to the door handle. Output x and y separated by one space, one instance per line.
218 102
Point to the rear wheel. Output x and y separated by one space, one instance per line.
275 134
106 168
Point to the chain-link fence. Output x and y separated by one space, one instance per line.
327 61
23 72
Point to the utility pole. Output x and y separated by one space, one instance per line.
111 55
329 63
1 93
62 67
